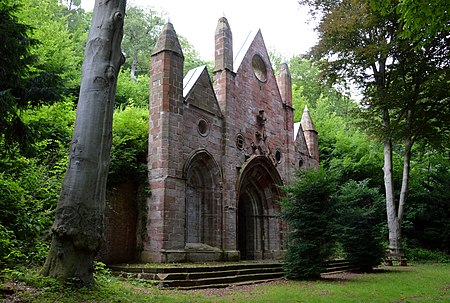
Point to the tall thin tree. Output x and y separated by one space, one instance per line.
405 88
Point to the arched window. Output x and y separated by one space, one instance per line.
203 199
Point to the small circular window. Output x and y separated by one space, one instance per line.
240 141
278 156
259 68
203 127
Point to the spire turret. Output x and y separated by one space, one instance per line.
168 41
224 46
310 134
285 84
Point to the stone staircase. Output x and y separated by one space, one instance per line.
337 266
196 276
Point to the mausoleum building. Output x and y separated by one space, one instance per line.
218 151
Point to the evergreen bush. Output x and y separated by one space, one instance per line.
309 211
359 231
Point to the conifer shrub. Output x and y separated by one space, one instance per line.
308 211
357 225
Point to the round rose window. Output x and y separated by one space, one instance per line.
259 68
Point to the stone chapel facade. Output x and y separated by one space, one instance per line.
218 150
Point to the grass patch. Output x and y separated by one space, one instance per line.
417 283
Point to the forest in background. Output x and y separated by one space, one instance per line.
41 57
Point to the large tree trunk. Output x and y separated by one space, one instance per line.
393 222
394 215
78 228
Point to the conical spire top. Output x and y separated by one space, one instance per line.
306 121
168 41
222 24
223 54
285 84
284 68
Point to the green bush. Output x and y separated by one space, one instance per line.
132 92
309 211
426 255
10 252
427 215
30 183
359 231
27 199
129 144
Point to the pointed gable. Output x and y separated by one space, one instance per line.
198 91
254 43
243 50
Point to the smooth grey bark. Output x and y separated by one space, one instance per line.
78 228
395 214
393 224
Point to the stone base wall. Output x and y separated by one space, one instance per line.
120 222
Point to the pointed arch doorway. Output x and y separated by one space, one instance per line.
259 230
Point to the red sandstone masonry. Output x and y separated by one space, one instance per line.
199 177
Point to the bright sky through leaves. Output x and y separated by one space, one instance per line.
284 24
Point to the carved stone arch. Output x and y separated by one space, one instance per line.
258 226
203 199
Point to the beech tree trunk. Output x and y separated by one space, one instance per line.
78 228
391 211
395 214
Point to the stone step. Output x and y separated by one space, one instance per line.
191 268
223 281
337 266
195 276
202 276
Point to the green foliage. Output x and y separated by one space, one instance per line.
43 60
56 53
28 196
308 211
30 184
427 217
426 255
132 92
141 29
102 272
359 231
10 252
15 59
52 128
421 20
130 140
343 147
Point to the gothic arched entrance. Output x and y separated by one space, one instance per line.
203 200
258 227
